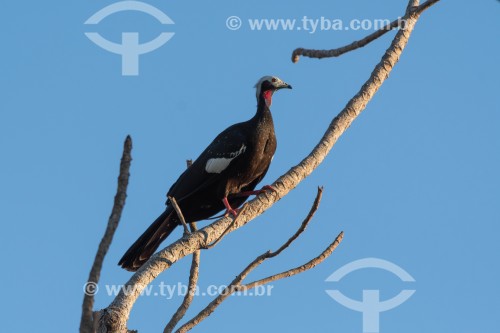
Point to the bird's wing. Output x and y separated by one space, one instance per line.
227 147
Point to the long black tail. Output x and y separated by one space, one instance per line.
146 245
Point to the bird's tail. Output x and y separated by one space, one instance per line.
149 241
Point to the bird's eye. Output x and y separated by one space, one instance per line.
273 79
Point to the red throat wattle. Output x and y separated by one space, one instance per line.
268 95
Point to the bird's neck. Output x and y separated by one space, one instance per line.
263 105
263 114
266 97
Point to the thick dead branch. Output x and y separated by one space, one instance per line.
398 23
115 316
86 323
235 285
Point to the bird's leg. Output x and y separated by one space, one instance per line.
229 209
262 190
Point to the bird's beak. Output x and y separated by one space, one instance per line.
284 85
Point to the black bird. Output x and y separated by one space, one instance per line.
223 176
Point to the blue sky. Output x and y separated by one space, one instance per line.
414 180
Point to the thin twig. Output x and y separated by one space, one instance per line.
236 286
179 214
312 263
188 298
192 282
400 22
304 224
229 227
86 323
319 54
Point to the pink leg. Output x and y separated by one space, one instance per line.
229 209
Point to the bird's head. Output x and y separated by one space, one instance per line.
267 86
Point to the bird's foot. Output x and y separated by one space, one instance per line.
233 212
229 209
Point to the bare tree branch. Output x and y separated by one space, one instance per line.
303 226
312 263
193 278
115 316
235 285
319 54
86 323
188 298
179 214
419 9
398 23
228 229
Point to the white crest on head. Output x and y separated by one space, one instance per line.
219 164
274 80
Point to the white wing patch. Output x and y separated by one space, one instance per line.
219 164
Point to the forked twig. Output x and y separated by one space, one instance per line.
291 272
236 286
